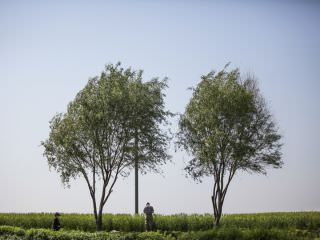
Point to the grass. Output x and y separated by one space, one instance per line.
179 222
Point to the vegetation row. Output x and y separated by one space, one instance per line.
180 222
221 233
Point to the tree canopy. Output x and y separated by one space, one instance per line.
227 127
115 117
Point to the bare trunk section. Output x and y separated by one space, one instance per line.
92 188
105 196
99 222
217 203
95 209
219 194
101 205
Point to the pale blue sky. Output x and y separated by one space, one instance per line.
49 49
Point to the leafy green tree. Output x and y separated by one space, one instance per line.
115 121
227 127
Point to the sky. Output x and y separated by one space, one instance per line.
49 49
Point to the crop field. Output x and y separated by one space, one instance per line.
36 226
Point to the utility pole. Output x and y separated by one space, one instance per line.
136 175
136 186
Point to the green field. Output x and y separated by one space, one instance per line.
263 226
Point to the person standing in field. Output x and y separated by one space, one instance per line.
148 211
56 222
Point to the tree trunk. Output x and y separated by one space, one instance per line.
217 221
217 204
99 222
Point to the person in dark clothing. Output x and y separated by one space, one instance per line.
148 211
56 222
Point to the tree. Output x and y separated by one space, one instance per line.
227 128
114 119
